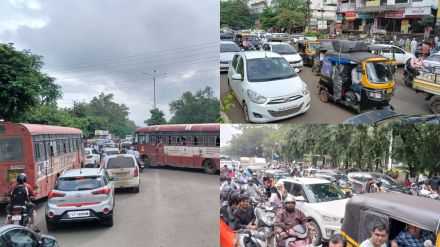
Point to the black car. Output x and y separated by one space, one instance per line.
358 180
16 235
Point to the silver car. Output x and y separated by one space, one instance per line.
81 195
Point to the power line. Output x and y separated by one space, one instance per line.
161 53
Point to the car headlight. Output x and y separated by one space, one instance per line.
305 90
255 97
331 219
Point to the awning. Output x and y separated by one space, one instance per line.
395 7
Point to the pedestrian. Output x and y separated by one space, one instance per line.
401 43
425 49
379 236
413 46
337 240
408 45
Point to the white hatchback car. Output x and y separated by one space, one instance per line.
287 51
322 203
227 51
126 170
267 87
92 157
401 56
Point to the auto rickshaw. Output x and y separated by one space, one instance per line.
395 210
377 83
319 57
429 83
307 50
379 50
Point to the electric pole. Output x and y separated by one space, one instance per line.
154 85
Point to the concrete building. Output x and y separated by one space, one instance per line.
322 12
257 6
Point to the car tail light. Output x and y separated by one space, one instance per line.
105 190
136 171
51 214
55 194
16 211
105 210
89 156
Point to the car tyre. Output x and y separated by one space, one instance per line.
136 189
51 226
323 96
147 162
246 113
108 221
316 234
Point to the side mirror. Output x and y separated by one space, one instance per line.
47 241
237 77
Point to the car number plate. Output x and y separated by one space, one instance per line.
16 217
270 214
76 214
285 108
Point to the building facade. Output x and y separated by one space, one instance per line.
322 14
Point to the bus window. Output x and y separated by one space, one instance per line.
211 141
163 140
136 137
173 140
11 149
64 147
217 141
189 140
147 139
141 139
153 140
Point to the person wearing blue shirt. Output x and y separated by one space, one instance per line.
413 236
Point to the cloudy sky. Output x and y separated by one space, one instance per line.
113 46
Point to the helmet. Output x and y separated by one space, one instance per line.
418 53
21 178
289 199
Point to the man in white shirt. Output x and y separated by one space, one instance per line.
379 237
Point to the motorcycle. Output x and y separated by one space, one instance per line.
18 216
141 164
264 235
299 236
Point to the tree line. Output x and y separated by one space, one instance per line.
358 146
30 96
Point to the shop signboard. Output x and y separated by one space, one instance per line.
338 18
395 14
347 7
365 16
350 15
372 3
322 24
418 11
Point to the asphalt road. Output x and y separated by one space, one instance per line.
175 207
405 101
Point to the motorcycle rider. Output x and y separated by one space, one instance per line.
227 188
286 219
252 190
244 216
20 194
417 63
278 196
256 181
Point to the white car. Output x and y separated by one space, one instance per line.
287 51
401 55
92 157
227 51
321 202
125 168
267 87
434 61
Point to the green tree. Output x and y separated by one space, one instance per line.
201 107
289 20
22 85
267 18
235 14
157 118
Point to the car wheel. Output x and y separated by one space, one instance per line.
209 166
323 96
316 233
147 162
246 113
435 105
108 221
50 226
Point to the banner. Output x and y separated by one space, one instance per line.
350 15
395 14
322 24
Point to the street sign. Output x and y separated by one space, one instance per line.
322 24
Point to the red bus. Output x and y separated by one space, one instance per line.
180 145
41 151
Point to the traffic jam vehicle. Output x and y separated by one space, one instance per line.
180 145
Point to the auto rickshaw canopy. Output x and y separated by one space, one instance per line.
351 57
421 212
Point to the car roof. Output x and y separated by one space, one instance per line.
8 227
278 43
227 42
120 155
302 180
259 54
82 172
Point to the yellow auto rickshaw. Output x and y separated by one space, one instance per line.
376 84
395 210
307 50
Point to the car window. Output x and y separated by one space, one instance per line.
323 192
2 242
234 61
284 49
268 69
434 58
240 67
120 162
296 190
398 50
288 186
229 48
79 183
20 237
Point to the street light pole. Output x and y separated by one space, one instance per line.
154 85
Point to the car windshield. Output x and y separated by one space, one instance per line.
433 58
79 183
323 192
120 162
379 73
284 49
385 179
11 149
268 69
229 48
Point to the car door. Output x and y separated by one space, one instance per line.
386 52
400 55
238 84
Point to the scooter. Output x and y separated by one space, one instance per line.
141 164
18 216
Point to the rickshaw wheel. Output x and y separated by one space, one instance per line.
323 95
435 106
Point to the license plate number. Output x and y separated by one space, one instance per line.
16 217
76 214
285 108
